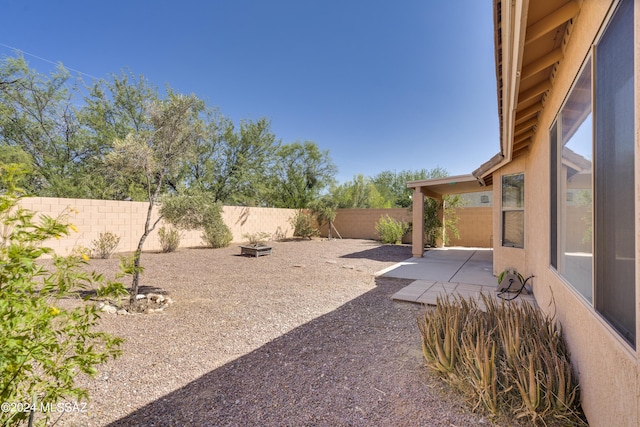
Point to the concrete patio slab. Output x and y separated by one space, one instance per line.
465 272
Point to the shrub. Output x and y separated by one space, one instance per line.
304 225
198 211
391 230
169 239
105 245
510 357
256 238
217 235
43 346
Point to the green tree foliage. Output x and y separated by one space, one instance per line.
391 230
21 162
360 192
157 154
304 225
299 175
112 110
199 211
392 185
39 117
233 164
43 346
325 212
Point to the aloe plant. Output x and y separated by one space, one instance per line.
511 358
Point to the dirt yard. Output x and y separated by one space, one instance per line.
304 336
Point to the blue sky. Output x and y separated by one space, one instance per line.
382 85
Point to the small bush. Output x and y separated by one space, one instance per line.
44 347
510 358
105 245
169 239
390 230
304 225
217 235
256 238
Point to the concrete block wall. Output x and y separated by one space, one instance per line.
474 224
126 219
475 227
361 223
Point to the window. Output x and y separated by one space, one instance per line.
592 179
572 139
513 211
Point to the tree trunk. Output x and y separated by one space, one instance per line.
136 256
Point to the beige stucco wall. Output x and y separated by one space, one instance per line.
474 224
126 219
607 367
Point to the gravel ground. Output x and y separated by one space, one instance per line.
306 336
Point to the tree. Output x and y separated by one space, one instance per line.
325 212
39 117
360 192
158 153
112 110
299 175
231 164
392 185
12 155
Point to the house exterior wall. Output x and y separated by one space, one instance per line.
126 219
607 367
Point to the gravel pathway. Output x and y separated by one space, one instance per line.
306 336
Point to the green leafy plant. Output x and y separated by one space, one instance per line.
304 225
217 235
169 239
508 358
325 210
390 230
44 347
105 245
198 211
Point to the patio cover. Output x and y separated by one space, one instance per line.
437 188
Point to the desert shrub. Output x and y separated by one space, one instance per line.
304 225
510 358
217 234
44 347
198 211
256 238
105 245
169 239
391 230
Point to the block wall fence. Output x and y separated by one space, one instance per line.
126 219
474 224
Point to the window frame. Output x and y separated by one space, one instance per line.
504 210
622 292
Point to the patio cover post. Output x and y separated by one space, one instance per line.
417 234
440 215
